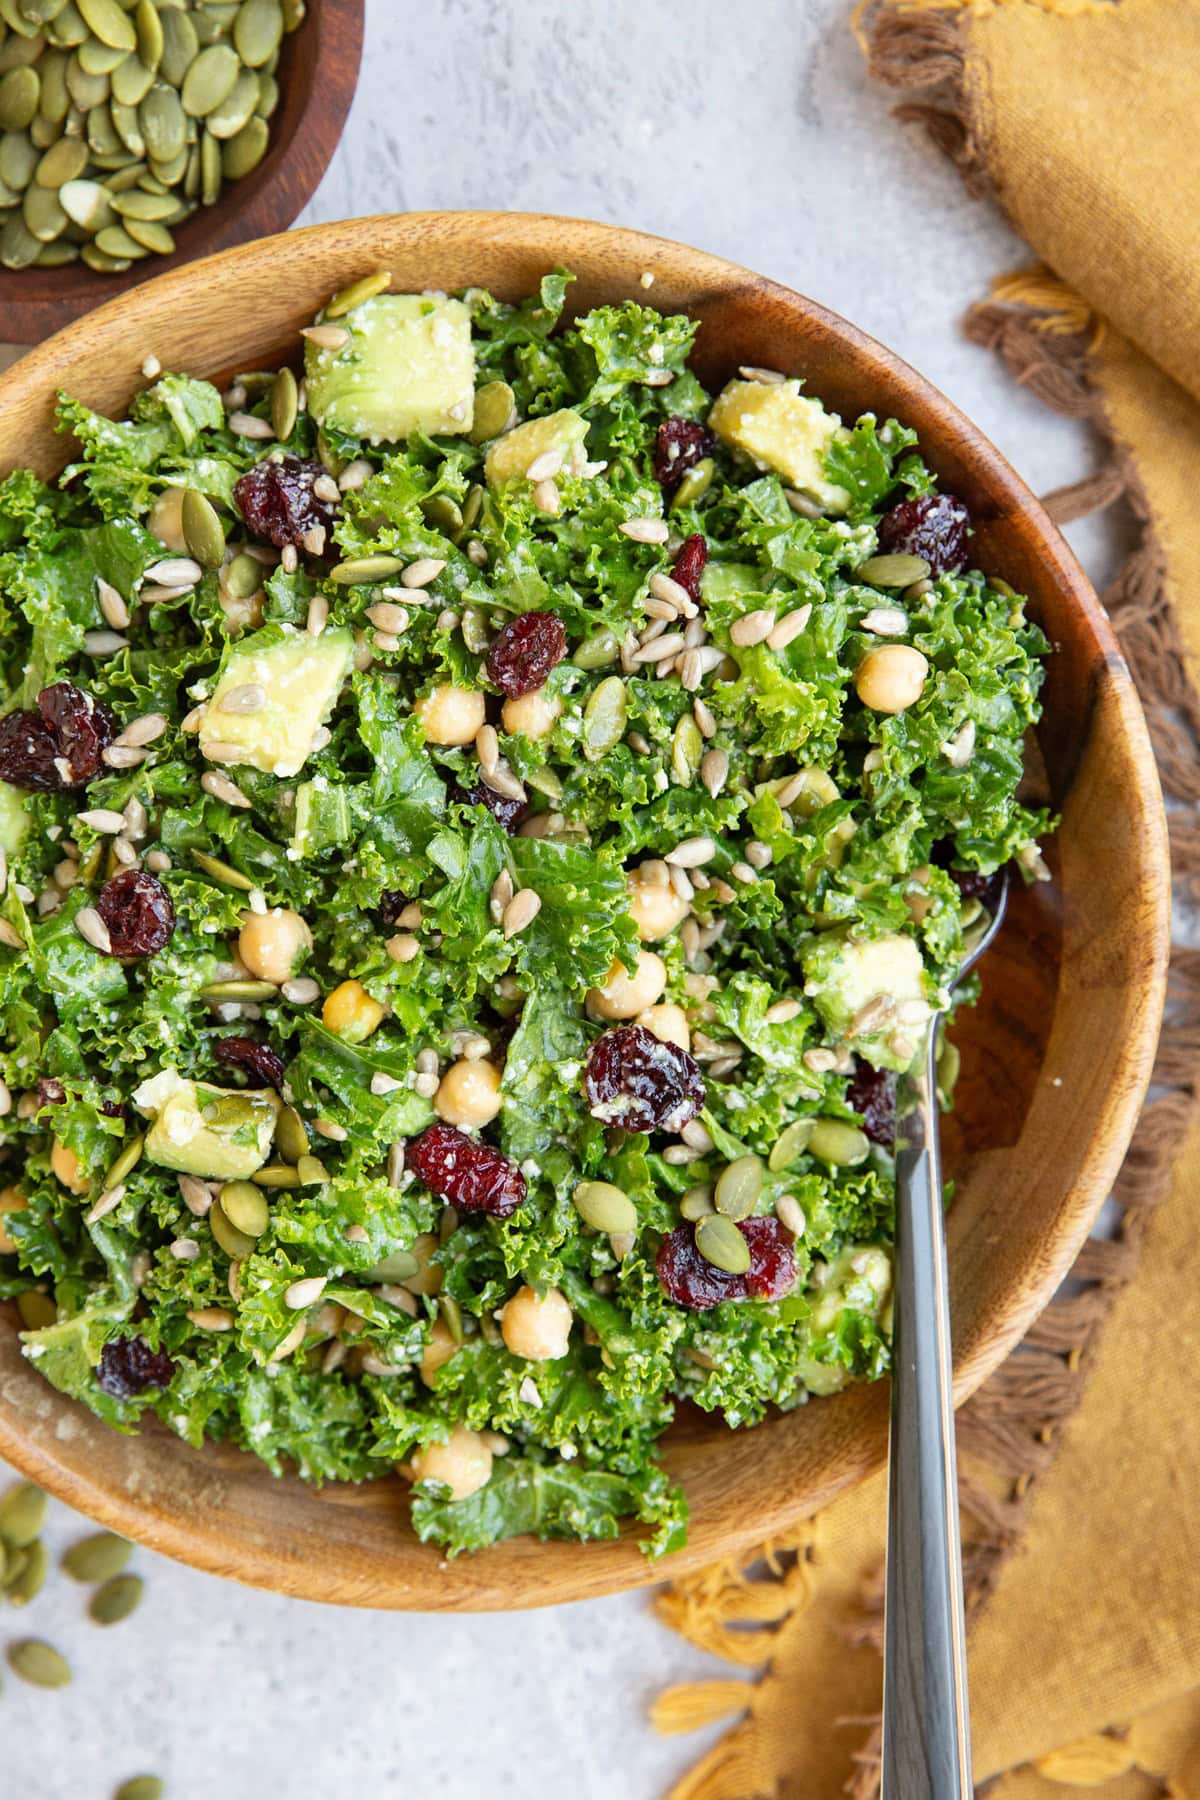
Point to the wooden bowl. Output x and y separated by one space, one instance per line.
1056 1058
318 70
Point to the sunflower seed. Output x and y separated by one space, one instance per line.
959 749
789 627
304 1293
39 1664
759 856
885 621
104 643
766 377
692 853
212 1318
251 697
520 912
660 649
326 337
790 1214
646 531
752 628
220 786
546 497
246 425
108 1202
714 770
102 819
92 929
420 573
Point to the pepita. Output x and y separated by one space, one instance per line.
67 27
127 127
20 90
361 570
257 32
148 26
26 1574
162 120
44 217
241 154
268 96
97 58
54 102
86 91
721 1243
790 1144
226 120
181 46
236 1244
694 485
494 403
892 571
22 1514
451 1312
604 1206
443 514
697 1203
55 255
37 1310
125 1163
597 652
604 718
276 1175
399 1265
43 131
545 781
738 1187
203 532
291 1134
217 991
687 749
134 203
221 871
209 80
114 240
18 160
214 19
840 1145
116 1599
245 1207
285 404
39 1663
312 1171
140 1787
171 171
64 161
102 133
96 1558
242 577
131 81
110 23
87 204
103 263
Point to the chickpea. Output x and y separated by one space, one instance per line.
464 1463
538 1330
890 679
352 1012
166 520
624 996
469 1093
532 714
669 1023
438 1351
270 942
65 1165
656 910
11 1200
430 1275
451 715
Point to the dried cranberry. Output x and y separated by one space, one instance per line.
391 904
634 1080
872 1094
138 912
691 1281
114 1109
128 1366
679 446
931 525
523 654
276 500
50 1091
690 562
59 745
972 884
507 811
461 1169
258 1062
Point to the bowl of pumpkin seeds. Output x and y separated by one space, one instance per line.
138 133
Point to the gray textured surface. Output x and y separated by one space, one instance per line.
749 130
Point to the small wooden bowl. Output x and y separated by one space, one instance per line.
1056 1058
318 70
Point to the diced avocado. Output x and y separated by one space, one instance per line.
845 979
14 820
779 428
323 817
859 1279
408 365
213 1132
511 455
300 677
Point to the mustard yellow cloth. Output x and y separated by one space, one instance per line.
1082 1496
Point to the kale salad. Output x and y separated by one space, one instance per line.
484 822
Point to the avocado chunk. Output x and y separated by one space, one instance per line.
780 429
216 1133
299 676
873 995
408 365
859 1279
14 820
510 456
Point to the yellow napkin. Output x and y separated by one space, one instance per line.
1081 1456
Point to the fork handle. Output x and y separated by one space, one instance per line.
926 1724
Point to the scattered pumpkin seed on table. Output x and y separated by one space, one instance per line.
97 1558
102 98
140 1787
39 1663
116 1599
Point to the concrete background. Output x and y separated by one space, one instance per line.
751 131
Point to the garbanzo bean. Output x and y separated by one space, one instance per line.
538 1330
624 996
451 715
891 679
270 943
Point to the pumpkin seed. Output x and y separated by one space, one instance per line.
140 1787
807 791
694 485
203 532
241 578
697 1203
360 570
131 82
443 514
472 505
37 1310
365 288
43 215
19 93
180 45
285 404
597 652
171 170
22 1514
39 1663
67 28
291 1134
217 991
226 120
116 1599
97 58
54 102
789 1144
840 1145
721 1243
18 160
221 871
149 29
26 1574
268 96
102 262
276 1175
110 23
245 1207
494 403
892 571
451 1312
102 133
86 91
545 781
604 1206
63 162
125 1163
244 152
399 1265
214 20
237 1245
136 204
257 32
604 717
163 122
125 123
293 14
19 51
87 203
43 132
687 748
738 1186
209 80
96 1558
191 175
211 168
114 240
312 1171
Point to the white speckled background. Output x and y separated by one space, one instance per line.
749 130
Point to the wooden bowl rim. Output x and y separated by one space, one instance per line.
605 1568
262 204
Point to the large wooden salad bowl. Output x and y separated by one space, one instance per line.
1055 1059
